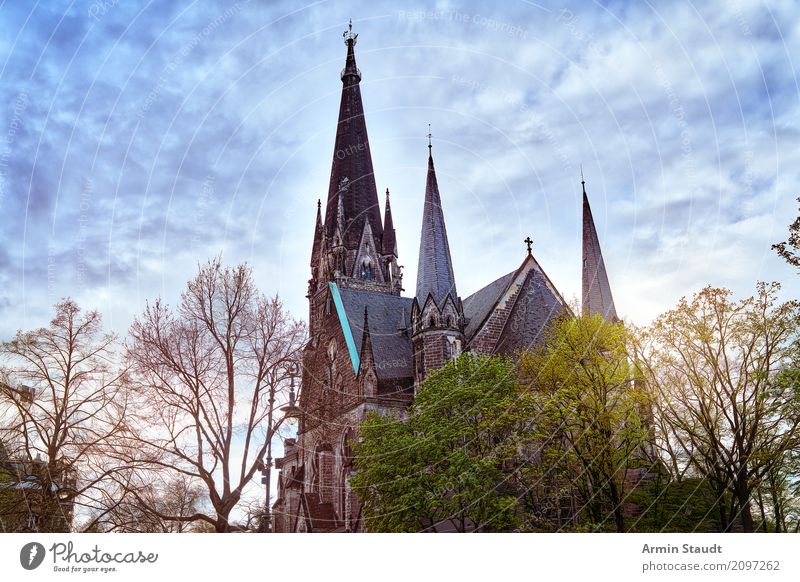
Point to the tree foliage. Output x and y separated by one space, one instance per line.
790 249
442 467
728 413
587 419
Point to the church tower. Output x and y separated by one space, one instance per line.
351 249
437 316
596 295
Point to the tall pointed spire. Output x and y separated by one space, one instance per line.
316 248
352 160
435 270
596 289
389 238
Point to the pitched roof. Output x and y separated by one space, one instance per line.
435 269
391 347
535 307
536 302
478 305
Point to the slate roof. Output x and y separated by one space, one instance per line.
478 305
391 347
535 307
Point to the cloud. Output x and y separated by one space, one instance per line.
151 138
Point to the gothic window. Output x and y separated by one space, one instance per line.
347 467
366 267
449 321
452 347
369 385
432 321
324 473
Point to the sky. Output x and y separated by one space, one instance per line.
140 139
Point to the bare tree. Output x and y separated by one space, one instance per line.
66 413
204 373
715 366
160 494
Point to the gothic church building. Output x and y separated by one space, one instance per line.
369 346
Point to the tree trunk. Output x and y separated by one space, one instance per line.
743 497
723 515
619 514
776 502
763 527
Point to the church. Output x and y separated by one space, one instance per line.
370 346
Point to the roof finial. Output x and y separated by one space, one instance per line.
583 182
348 34
319 204
430 135
387 193
528 242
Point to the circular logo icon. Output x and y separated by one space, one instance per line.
31 555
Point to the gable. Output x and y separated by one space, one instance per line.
511 312
535 307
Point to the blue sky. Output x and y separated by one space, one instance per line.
138 140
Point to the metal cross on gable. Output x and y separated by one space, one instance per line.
528 242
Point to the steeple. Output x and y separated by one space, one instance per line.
435 270
596 289
352 161
389 239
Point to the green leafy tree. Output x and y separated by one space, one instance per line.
715 366
588 416
444 467
790 249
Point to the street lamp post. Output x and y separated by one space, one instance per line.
291 410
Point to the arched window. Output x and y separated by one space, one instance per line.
366 268
432 321
323 476
369 385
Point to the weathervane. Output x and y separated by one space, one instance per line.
430 135
348 34
528 242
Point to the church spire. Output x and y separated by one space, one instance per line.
435 270
352 160
316 248
596 289
389 238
